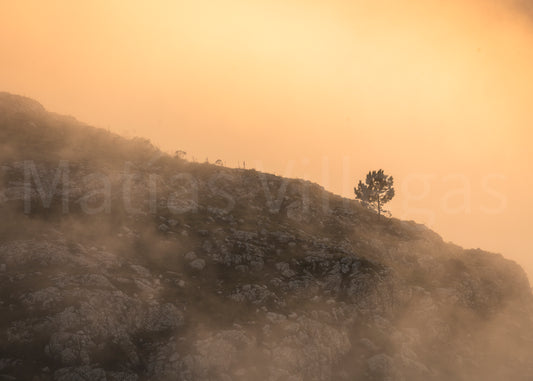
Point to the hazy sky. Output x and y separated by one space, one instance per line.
437 93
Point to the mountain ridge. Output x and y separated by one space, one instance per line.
158 268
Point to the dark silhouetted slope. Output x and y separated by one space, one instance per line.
149 267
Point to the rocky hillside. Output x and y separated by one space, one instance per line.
119 262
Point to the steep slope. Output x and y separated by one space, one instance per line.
118 262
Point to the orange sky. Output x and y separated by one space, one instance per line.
437 93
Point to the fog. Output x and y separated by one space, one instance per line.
120 262
436 93
319 90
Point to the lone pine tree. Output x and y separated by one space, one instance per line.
377 190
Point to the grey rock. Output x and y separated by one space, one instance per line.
121 376
70 348
83 373
285 269
190 256
380 365
198 264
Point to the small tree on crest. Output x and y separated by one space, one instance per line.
377 190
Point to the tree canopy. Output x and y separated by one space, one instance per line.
376 191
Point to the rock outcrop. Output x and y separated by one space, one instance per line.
118 262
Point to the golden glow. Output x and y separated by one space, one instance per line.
419 88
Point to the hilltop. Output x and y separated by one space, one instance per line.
120 262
